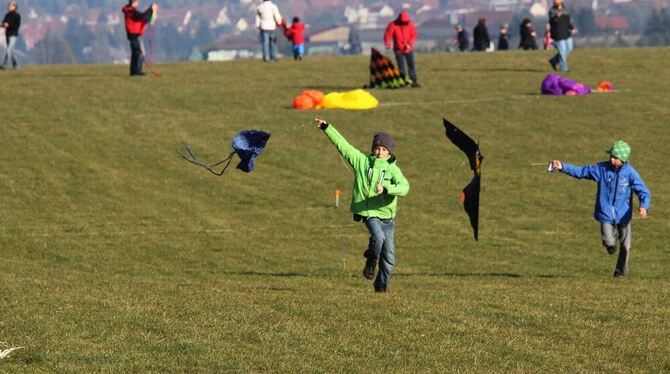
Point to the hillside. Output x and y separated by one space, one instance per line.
118 256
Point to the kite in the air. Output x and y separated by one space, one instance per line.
470 194
247 144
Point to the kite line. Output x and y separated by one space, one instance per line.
192 158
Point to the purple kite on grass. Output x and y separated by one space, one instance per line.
556 85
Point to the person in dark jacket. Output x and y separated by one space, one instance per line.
480 35
617 181
403 34
462 38
503 38
527 35
11 24
136 22
562 29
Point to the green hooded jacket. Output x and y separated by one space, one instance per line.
368 172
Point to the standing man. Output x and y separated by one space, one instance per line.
267 20
462 39
480 35
11 24
136 22
404 34
562 28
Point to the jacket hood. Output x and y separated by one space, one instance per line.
403 17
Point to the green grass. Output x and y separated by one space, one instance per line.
118 256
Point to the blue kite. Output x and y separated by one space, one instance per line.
247 144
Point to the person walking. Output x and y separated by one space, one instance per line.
546 38
462 38
480 35
11 24
403 34
295 34
527 35
503 38
267 20
562 29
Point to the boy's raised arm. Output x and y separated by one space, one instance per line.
348 151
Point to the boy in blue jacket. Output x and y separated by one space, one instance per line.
616 180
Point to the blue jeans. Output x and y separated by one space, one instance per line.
381 247
401 57
9 55
298 51
564 47
269 43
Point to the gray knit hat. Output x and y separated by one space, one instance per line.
384 140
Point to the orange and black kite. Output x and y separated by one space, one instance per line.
382 72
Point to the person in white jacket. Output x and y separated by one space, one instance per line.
267 20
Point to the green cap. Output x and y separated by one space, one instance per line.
620 150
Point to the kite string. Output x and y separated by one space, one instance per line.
194 160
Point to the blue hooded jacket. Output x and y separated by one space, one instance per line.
614 201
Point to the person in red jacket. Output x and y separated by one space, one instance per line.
136 22
295 35
404 34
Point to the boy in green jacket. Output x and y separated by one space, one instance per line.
378 182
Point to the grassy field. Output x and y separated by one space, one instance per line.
118 256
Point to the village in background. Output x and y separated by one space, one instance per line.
92 31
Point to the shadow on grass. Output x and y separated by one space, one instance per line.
482 275
331 88
493 70
454 274
280 274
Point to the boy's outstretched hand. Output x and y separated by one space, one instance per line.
643 212
555 164
322 124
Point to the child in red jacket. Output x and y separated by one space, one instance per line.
295 34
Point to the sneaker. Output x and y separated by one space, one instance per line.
369 270
618 274
381 289
611 250
416 85
553 65
3 67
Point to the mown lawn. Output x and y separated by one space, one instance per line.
118 256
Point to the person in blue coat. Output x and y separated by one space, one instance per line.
617 181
